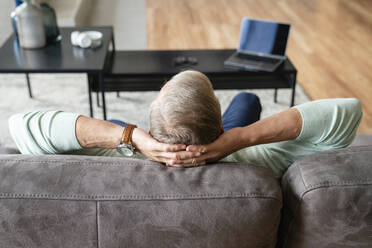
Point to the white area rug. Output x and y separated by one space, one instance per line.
69 92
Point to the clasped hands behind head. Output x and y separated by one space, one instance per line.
186 111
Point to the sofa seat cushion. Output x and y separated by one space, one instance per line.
118 202
328 200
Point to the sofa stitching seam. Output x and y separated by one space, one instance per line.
100 163
78 162
135 197
296 208
333 184
97 223
347 152
302 176
348 182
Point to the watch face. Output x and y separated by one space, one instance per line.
125 150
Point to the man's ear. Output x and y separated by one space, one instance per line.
222 129
149 132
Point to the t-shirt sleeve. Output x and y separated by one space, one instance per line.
330 122
44 132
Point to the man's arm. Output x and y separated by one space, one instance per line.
56 132
282 126
94 133
102 134
329 123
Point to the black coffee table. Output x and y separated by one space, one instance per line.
147 70
61 57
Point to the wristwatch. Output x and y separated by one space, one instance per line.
125 147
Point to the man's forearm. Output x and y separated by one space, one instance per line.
283 126
94 133
328 123
102 134
286 125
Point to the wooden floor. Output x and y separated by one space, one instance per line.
330 41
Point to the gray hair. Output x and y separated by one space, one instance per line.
186 111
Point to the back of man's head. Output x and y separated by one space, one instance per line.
186 111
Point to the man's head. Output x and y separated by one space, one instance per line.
186 111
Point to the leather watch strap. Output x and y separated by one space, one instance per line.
127 134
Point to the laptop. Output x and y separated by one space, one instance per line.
262 45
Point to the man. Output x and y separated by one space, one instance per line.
186 129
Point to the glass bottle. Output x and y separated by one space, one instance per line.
30 26
18 2
50 23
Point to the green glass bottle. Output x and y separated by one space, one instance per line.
50 23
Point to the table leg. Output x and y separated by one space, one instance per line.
28 85
275 95
102 89
113 42
293 89
90 95
97 98
117 94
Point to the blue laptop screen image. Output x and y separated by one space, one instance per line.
263 37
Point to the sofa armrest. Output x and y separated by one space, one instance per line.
82 201
328 200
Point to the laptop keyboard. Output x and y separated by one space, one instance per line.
257 58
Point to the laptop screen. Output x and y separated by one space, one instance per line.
265 37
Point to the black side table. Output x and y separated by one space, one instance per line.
60 57
147 70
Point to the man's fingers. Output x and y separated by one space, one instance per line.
194 148
170 147
181 155
181 163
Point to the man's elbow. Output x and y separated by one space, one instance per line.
356 107
13 123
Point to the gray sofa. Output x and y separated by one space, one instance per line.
323 200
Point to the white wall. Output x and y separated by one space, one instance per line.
128 17
6 8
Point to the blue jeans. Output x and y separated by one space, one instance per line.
243 110
120 123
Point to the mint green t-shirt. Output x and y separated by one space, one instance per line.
326 124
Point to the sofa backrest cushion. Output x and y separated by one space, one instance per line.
8 150
328 200
362 140
85 201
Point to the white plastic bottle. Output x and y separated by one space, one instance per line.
30 26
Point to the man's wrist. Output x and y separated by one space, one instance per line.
126 146
135 137
116 139
111 137
126 137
